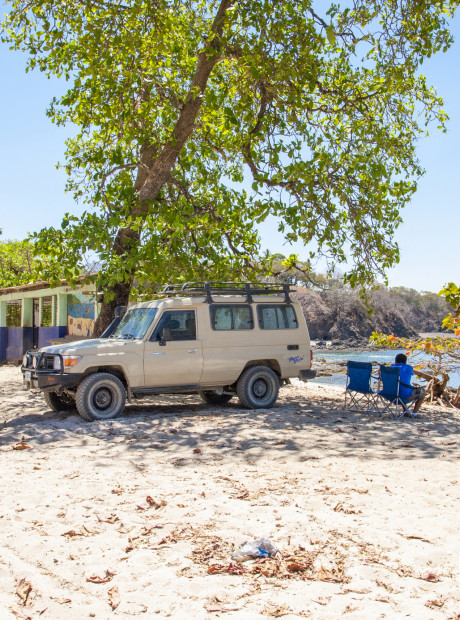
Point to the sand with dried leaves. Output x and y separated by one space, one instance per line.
140 516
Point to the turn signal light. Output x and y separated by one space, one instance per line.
70 360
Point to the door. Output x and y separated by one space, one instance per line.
36 323
174 355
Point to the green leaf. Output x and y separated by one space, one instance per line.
331 35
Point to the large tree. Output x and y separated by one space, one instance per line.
200 118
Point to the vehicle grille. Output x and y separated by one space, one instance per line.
47 362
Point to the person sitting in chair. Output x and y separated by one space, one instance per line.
407 391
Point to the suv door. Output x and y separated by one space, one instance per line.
173 355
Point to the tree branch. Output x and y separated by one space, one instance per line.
166 160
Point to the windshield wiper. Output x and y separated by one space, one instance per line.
129 337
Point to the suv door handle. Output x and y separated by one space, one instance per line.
193 350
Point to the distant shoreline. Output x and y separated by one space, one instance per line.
326 345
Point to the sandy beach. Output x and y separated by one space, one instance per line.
140 516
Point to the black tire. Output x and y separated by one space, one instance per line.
100 396
258 387
59 402
211 398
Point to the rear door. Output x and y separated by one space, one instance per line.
178 359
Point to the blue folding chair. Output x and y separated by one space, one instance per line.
388 398
359 395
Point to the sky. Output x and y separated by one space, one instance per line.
32 194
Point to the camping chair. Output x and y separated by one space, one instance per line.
388 399
359 396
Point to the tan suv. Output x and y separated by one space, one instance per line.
220 340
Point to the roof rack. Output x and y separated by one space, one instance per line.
249 289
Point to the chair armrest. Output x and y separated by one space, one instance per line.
406 385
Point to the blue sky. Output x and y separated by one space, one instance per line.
32 190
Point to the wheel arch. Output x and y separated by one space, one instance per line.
117 371
269 363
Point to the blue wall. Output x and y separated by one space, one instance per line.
46 334
15 341
2 345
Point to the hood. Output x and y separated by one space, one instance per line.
79 346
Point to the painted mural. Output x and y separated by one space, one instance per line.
81 314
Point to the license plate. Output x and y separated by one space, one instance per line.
27 376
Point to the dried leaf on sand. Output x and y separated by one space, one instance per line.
156 503
276 611
21 445
430 577
23 590
213 554
96 579
114 597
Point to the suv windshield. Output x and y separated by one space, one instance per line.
135 323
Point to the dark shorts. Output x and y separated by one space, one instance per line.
417 394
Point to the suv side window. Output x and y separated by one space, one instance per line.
176 325
231 317
276 317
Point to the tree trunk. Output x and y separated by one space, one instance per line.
156 167
456 400
119 291
121 297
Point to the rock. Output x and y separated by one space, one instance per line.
340 316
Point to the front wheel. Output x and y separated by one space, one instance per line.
258 387
59 402
100 396
215 399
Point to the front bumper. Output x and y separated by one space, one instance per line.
49 382
305 375
36 374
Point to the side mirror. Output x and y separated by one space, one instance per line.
163 337
120 311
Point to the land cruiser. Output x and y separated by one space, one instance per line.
220 340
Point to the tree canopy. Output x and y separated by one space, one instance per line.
198 119
16 262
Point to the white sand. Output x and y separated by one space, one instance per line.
364 511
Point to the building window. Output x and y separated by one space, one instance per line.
231 317
47 312
276 317
13 313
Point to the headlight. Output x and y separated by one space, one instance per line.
70 360
57 363
25 361
34 361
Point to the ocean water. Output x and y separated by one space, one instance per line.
381 356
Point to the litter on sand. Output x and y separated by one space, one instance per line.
260 548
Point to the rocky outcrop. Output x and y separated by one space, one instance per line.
320 318
341 316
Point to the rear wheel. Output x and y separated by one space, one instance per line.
59 402
215 399
101 396
258 387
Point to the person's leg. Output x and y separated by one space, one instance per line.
420 396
